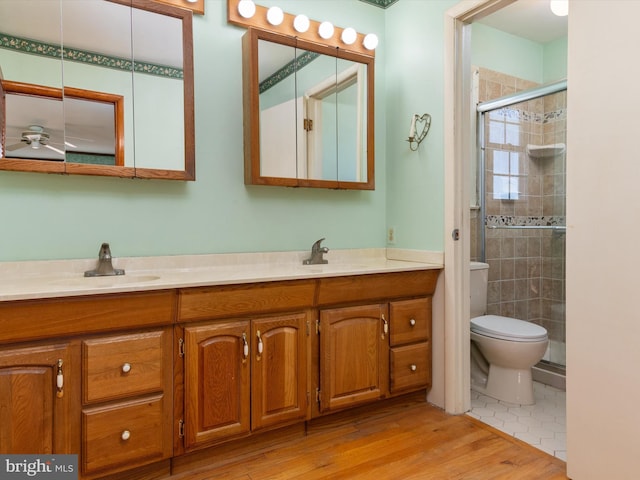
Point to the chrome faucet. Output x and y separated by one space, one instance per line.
105 268
316 254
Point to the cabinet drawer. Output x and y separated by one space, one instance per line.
383 286
233 300
126 434
410 321
410 367
115 367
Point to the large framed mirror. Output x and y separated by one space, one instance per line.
105 88
308 113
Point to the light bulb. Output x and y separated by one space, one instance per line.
275 15
246 8
349 35
370 41
301 23
325 30
559 7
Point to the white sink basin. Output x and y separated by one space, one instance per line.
110 281
332 267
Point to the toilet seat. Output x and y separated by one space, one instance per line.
506 328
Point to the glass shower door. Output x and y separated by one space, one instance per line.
522 176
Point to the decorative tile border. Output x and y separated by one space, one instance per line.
25 45
289 69
517 115
380 3
498 221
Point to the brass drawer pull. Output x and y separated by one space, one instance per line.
126 368
245 347
385 327
60 380
260 346
126 435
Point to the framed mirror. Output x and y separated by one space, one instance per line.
97 116
105 87
308 113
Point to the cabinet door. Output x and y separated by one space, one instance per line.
216 382
39 400
279 370
354 356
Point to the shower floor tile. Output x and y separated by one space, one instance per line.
542 425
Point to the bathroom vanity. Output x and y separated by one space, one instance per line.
144 377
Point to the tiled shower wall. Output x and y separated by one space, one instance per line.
526 273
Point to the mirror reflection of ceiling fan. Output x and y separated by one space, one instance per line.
35 137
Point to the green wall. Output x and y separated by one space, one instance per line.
415 68
517 56
555 60
506 53
58 217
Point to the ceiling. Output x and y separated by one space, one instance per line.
531 19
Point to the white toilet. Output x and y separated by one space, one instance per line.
503 349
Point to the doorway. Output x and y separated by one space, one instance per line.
460 151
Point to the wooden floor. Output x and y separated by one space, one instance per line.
403 440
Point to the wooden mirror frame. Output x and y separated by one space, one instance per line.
251 109
8 87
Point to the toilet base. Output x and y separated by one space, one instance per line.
510 385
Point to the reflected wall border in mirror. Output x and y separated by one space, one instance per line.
145 167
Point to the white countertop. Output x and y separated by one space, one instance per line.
65 278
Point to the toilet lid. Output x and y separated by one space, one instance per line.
506 328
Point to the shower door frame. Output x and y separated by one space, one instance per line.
547 373
482 109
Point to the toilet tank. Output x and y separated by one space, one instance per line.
479 278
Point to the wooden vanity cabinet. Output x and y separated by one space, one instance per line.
410 342
244 373
147 377
216 382
279 365
96 381
38 399
368 351
354 356
127 401
242 376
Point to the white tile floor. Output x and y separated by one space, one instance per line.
542 425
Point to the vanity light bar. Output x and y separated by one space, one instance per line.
246 13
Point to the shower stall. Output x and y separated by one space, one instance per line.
519 224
